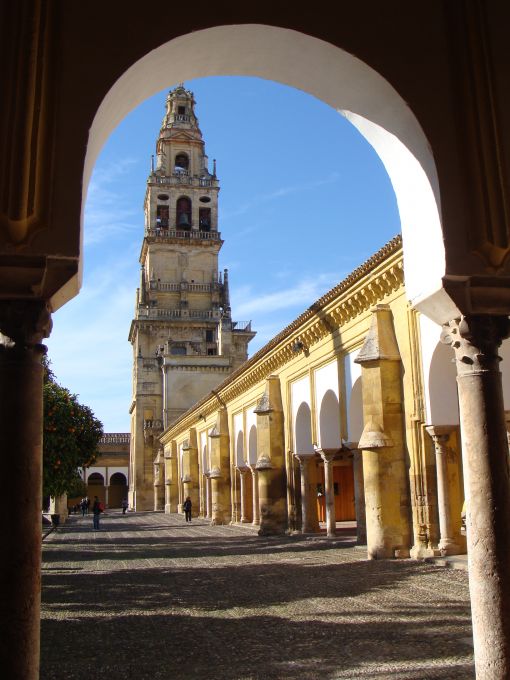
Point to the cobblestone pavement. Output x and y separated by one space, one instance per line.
151 597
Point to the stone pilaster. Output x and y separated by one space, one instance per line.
255 495
475 340
359 498
23 325
190 471
220 470
243 472
171 497
449 497
159 481
271 460
309 518
382 441
329 491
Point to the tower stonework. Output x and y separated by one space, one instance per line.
184 340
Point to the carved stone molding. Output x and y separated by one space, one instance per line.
27 113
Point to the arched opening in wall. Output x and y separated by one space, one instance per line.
442 398
355 413
339 82
183 214
117 490
343 472
240 462
252 445
96 487
303 430
329 421
181 165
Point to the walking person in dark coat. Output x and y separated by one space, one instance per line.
96 511
187 509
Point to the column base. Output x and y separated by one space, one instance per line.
420 551
450 547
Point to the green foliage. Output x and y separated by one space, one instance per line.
70 440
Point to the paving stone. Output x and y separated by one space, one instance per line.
151 597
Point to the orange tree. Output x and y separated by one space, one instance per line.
70 439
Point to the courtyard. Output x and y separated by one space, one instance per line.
150 596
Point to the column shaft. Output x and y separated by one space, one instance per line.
475 341
21 418
329 489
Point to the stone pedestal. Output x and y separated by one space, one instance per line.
451 542
271 460
24 325
220 471
475 340
309 518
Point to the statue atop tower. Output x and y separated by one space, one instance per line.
184 340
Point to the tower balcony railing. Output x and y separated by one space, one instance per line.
162 233
177 287
241 326
182 178
182 314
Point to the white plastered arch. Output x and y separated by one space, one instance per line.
332 75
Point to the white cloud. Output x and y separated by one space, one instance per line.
279 193
105 211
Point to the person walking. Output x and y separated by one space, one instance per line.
187 509
125 506
96 511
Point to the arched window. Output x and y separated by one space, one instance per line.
183 213
162 216
181 164
204 219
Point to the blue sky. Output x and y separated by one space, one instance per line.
304 200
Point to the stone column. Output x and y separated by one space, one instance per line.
244 496
255 487
271 460
208 496
190 471
220 470
451 541
23 325
475 340
359 498
171 498
159 482
309 518
329 492
388 510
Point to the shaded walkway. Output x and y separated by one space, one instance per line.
150 597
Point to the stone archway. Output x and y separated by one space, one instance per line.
96 487
118 490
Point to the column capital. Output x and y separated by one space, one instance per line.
304 457
475 340
24 322
440 432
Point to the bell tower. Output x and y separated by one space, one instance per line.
184 340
